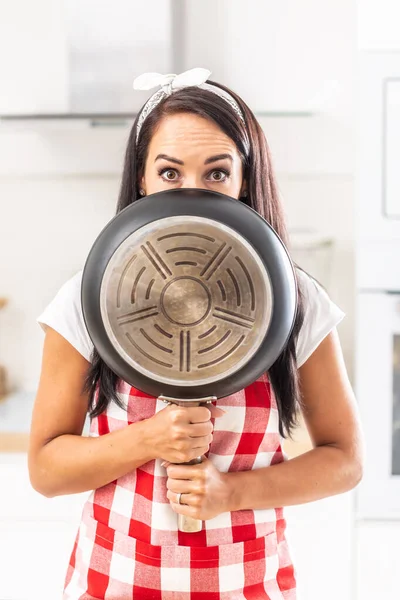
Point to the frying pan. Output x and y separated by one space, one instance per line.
189 295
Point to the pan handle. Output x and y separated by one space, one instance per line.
188 524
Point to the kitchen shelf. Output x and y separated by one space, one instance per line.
65 121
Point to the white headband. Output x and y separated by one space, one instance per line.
171 83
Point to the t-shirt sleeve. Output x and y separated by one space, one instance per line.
321 316
64 315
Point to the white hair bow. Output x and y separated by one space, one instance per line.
171 82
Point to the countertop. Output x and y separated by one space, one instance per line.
15 421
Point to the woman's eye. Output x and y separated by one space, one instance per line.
169 174
218 175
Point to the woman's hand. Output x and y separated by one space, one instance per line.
205 490
179 434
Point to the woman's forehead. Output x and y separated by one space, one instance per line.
187 133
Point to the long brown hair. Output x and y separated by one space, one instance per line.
262 197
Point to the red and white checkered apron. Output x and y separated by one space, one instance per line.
128 544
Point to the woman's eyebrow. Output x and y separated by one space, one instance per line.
212 159
169 158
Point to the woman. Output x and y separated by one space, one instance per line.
197 134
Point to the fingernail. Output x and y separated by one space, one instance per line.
164 463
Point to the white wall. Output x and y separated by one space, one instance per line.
56 194
44 240
314 160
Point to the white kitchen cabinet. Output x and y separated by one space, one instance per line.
32 54
34 556
321 536
21 501
378 299
266 51
377 560
36 535
79 57
391 147
378 194
378 24
378 392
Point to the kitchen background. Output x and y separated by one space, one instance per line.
324 80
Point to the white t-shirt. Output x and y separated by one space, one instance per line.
64 314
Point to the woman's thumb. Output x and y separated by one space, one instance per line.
216 411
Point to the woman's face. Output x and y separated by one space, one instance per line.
188 151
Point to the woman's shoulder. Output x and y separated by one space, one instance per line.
308 285
316 299
69 293
64 314
321 316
